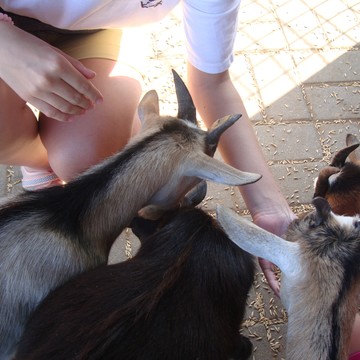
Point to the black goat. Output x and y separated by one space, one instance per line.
182 297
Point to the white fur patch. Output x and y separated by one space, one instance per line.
332 178
347 221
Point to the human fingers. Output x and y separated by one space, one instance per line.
269 271
82 85
58 112
78 65
71 98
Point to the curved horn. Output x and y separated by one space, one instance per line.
352 140
322 183
340 157
219 127
195 196
186 107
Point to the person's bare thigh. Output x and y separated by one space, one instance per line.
19 137
76 145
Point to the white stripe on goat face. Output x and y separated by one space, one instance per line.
348 221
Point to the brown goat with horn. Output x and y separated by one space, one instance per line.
49 236
339 182
182 296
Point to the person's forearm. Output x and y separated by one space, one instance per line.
216 97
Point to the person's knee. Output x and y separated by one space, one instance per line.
74 147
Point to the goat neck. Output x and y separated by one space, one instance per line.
320 276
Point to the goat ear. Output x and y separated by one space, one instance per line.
205 167
149 106
258 241
186 107
323 210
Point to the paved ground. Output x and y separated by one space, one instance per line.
297 66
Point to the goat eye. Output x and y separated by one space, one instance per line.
357 224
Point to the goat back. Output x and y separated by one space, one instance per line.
182 296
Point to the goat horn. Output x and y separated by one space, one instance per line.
322 183
352 140
186 107
219 127
340 157
196 195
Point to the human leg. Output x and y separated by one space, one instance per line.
74 146
20 142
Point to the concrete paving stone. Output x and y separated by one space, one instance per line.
339 22
3 181
354 5
268 341
279 142
289 11
277 81
265 321
290 106
334 101
302 31
333 134
329 10
125 247
262 301
244 82
255 11
328 66
224 195
296 181
260 36
340 39
10 180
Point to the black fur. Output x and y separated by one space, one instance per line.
182 297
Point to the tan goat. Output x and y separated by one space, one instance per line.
48 236
320 276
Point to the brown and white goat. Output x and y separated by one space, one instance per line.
339 183
320 276
48 236
182 296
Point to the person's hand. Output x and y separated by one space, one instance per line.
56 84
268 269
276 224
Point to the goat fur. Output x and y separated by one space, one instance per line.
48 236
339 182
182 296
320 276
